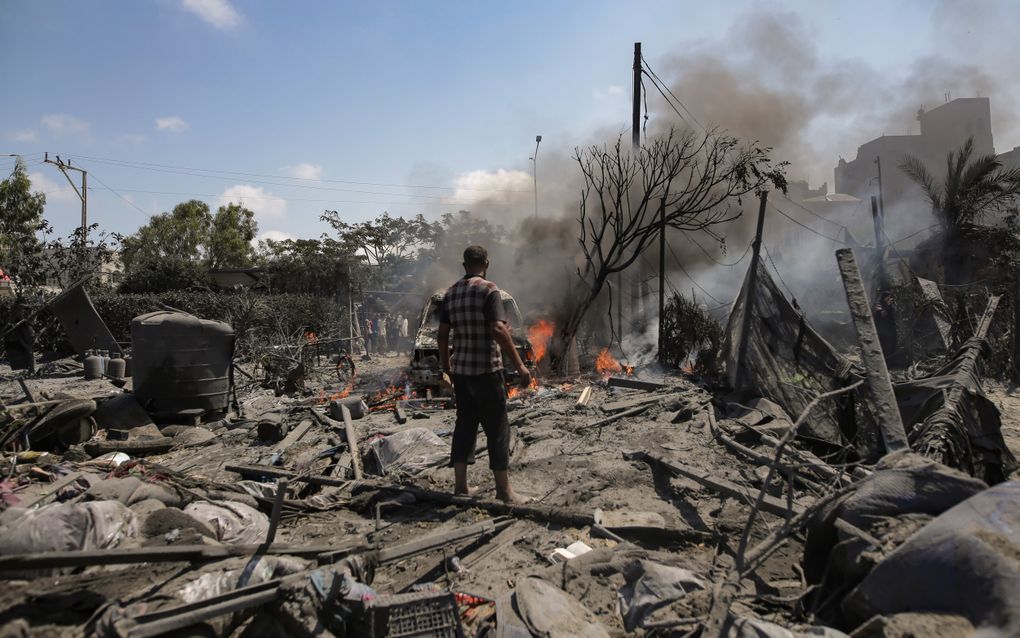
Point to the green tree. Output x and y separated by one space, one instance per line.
229 243
179 235
315 266
973 189
384 238
21 219
167 253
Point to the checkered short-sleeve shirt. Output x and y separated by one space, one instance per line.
470 306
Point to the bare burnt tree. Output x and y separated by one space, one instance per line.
699 179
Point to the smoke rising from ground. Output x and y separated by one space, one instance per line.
765 80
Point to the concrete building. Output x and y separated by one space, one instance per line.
943 130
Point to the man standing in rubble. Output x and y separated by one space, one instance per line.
473 311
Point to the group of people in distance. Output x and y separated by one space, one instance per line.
385 333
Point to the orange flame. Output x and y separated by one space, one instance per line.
540 335
310 337
516 390
606 365
343 394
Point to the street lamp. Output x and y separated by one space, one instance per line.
534 170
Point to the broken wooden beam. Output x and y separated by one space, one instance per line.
132 447
268 471
634 384
582 401
619 415
294 436
352 442
613 407
164 554
400 413
878 397
769 504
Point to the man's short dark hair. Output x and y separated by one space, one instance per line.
475 256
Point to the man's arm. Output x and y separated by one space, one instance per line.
501 333
444 347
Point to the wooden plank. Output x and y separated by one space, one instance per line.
619 415
166 554
584 398
400 413
268 471
613 407
879 397
634 384
352 442
770 504
294 436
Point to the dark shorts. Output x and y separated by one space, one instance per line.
481 399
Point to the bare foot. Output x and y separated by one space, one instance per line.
471 491
513 498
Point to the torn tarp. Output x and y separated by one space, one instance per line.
788 362
85 329
971 439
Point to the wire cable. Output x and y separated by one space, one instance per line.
136 164
679 101
703 250
836 241
776 268
693 280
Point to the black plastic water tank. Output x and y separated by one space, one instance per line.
180 362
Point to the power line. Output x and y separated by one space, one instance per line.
811 212
703 250
125 199
136 164
776 268
270 183
693 280
679 101
298 199
842 243
657 88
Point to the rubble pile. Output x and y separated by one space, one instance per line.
659 504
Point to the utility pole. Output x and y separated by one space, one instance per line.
881 203
662 271
534 169
635 124
876 218
635 136
83 195
749 295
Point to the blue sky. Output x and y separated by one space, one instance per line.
293 107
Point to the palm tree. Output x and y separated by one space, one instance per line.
972 190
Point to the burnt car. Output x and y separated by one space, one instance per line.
425 373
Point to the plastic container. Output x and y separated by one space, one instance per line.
180 362
93 365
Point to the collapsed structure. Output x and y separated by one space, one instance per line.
661 504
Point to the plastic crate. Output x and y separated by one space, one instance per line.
414 615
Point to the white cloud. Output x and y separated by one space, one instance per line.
499 185
26 135
275 235
61 124
171 123
304 170
219 13
265 205
55 191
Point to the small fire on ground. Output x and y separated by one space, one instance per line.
607 365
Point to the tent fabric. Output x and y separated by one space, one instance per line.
965 562
974 442
787 361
